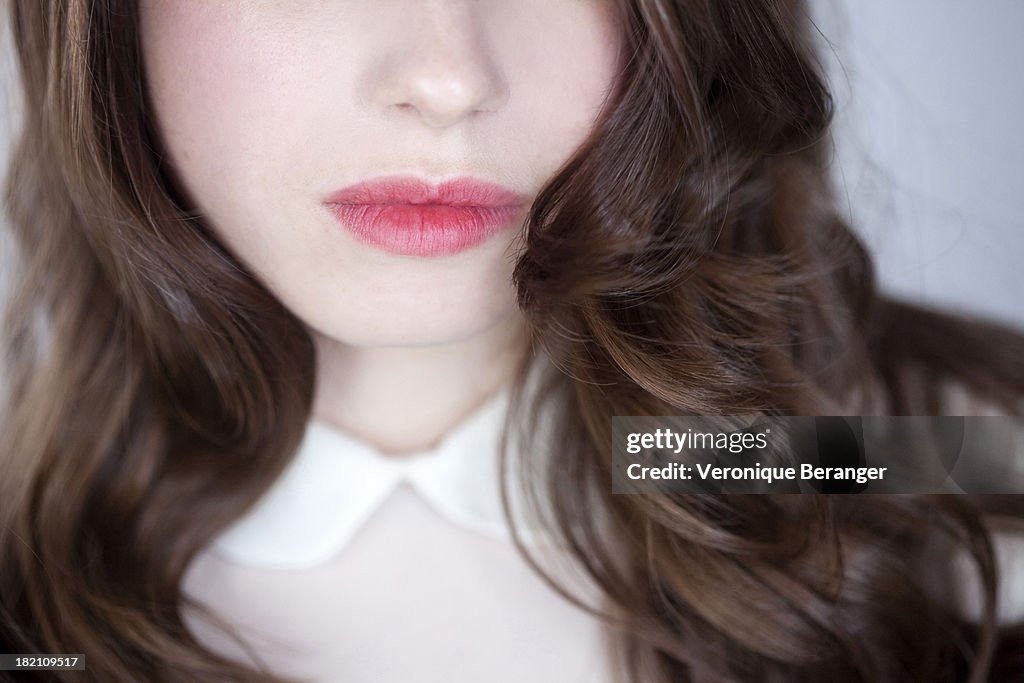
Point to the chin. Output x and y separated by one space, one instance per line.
426 328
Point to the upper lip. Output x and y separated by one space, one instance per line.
462 191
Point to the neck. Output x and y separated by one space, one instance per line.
405 399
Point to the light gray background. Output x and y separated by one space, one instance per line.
929 147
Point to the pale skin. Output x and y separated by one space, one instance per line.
264 107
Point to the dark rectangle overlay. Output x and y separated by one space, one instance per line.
868 454
48 662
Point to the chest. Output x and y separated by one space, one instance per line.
412 597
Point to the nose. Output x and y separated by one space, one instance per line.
440 67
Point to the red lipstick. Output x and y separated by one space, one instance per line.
412 217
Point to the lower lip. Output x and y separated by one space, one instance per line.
419 227
424 229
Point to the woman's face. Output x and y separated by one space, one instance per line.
372 161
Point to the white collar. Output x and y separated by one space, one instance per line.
335 482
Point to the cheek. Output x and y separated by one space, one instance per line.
233 97
563 75
209 93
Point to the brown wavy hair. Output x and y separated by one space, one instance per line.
687 260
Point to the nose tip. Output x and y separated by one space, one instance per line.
439 66
445 94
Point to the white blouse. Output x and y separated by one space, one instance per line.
357 566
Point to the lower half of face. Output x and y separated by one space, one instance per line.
373 162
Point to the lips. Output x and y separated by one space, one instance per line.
412 217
